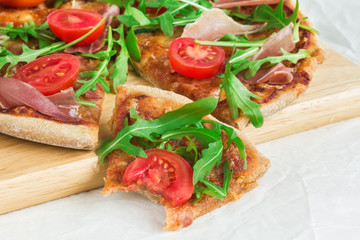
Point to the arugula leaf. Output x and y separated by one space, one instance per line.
204 135
214 190
274 18
254 66
41 32
120 3
239 97
166 24
58 3
99 75
167 122
131 44
210 157
120 72
27 55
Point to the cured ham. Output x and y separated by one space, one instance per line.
108 12
278 74
240 3
282 39
214 24
15 93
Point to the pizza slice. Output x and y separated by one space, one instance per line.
49 92
163 143
256 63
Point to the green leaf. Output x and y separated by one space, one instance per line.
120 72
254 66
27 55
274 18
58 3
169 121
131 44
138 15
214 190
98 76
204 135
210 157
239 97
166 24
120 3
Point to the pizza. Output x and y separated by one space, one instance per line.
47 113
238 60
273 87
165 177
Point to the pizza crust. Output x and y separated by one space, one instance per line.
155 68
50 132
183 215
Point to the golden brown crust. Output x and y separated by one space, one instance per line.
155 68
50 132
151 103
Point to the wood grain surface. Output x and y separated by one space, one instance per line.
33 173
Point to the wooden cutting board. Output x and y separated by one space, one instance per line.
32 173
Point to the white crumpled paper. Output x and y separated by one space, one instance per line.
311 191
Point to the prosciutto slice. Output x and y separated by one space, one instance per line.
278 74
282 39
240 3
214 24
109 12
15 93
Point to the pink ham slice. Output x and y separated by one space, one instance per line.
278 74
241 3
214 24
15 93
282 39
109 12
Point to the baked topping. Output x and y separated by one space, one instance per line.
214 24
17 93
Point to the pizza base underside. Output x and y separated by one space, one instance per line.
183 215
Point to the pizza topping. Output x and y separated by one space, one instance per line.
185 122
274 46
21 3
162 172
109 12
194 60
214 24
278 74
50 74
15 93
70 24
281 40
241 3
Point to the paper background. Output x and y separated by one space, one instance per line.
312 190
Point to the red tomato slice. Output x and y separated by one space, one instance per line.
71 24
194 60
21 3
50 74
162 172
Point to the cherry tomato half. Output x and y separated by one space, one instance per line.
21 3
194 60
50 74
71 24
162 172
